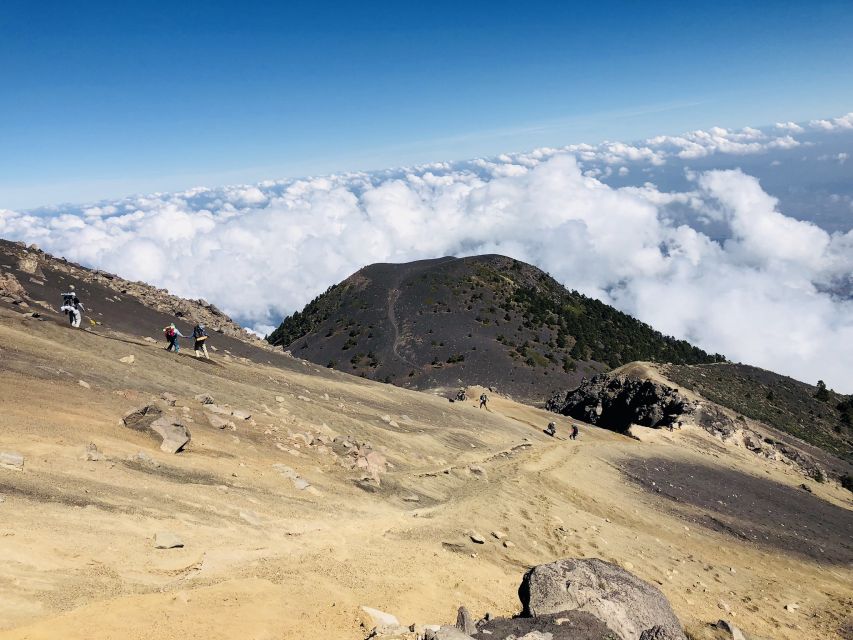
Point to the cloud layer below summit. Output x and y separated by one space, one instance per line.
739 241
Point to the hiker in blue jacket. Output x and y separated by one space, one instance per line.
172 334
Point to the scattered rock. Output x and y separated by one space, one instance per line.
380 618
92 454
498 535
445 633
205 398
84 384
625 603
464 621
218 421
149 419
656 633
732 630
240 414
477 538
412 498
128 359
149 339
11 460
167 540
279 398
792 607
170 398
509 544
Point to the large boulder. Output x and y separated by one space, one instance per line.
171 433
625 603
616 402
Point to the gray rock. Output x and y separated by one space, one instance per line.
205 398
380 618
446 633
92 454
656 633
621 600
732 630
240 414
173 433
11 460
167 540
218 421
170 398
464 621
477 538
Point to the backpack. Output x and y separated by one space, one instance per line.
170 332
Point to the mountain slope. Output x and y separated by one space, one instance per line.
488 320
824 419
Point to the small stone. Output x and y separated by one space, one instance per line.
380 618
724 606
792 606
304 398
11 460
84 384
149 339
205 398
508 544
240 414
279 398
386 418
477 538
128 359
412 498
218 421
92 454
169 398
464 621
167 540
498 535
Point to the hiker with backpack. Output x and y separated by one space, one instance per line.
172 334
200 336
574 435
484 399
551 430
72 307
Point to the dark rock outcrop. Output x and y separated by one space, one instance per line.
617 402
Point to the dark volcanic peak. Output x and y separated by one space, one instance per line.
487 320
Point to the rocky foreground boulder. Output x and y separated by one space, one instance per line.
628 605
616 402
572 599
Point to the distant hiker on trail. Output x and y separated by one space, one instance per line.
483 400
552 429
200 336
172 334
72 307
574 435
461 396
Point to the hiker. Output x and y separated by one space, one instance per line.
574 435
552 429
200 336
172 334
72 307
461 396
483 400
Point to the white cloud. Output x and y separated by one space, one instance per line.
844 122
793 127
262 251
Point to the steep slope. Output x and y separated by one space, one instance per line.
327 492
823 418
486 320
31 281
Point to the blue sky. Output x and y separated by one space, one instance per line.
104 99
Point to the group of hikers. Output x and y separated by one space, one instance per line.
551 430
199 335
73 308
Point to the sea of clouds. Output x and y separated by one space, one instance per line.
679 231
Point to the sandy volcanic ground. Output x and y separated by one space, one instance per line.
265 560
